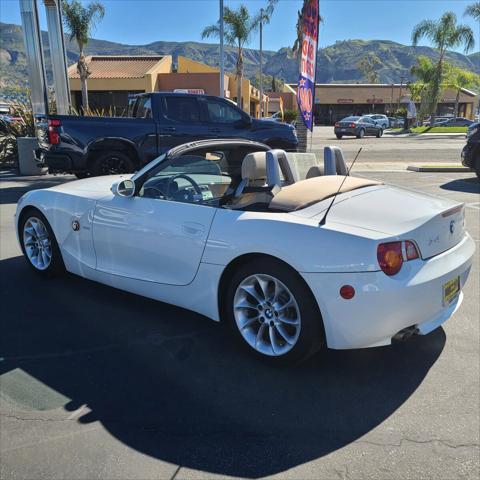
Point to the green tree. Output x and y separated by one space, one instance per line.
473 10
457 79
368 66
445 34
80 21
238 28
424 71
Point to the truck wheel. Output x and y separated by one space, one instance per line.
111 163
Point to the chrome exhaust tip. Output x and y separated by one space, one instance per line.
405 334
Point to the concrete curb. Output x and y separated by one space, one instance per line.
414 168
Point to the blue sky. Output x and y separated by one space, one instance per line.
145 21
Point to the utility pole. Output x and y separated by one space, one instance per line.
261 63
400 92
222 66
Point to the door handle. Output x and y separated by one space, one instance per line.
192 228
214 130
168 129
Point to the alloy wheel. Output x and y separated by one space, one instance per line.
267 314
37 243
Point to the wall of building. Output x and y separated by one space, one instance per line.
208 82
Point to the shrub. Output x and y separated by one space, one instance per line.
289 115
22 126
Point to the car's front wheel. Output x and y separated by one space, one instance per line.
273 312
39 244
379 133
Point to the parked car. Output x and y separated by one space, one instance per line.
357 127
471 151
276 117
157 122
454 122
395 122
380 119
211 227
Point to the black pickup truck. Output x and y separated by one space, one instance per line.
156 123
471 151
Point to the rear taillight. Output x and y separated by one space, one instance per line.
53 135
391 255
337 124
352 125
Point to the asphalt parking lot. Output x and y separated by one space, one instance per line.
414 149
97 383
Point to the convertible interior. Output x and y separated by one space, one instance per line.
242 179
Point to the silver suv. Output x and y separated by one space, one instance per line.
380 120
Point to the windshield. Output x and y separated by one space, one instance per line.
350 119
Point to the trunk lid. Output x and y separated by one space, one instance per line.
435 224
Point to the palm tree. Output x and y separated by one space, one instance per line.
296 50
473 10
238 27
80 21
444 34
424 70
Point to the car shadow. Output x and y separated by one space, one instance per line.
173 385
467 185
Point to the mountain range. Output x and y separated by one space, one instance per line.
337 63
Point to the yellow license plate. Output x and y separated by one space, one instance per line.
450 290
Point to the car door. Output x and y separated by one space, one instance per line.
224 120
181 120
150 239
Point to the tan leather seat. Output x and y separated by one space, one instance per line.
254 174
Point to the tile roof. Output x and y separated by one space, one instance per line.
117 66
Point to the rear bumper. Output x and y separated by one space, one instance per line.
56 162
382 305
345 131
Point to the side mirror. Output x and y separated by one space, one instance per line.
123 188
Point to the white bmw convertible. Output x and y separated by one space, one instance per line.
293 260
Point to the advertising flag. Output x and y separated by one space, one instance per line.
308 62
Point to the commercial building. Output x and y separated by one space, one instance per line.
113 78
336 101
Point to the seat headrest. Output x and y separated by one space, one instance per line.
315 171
254 166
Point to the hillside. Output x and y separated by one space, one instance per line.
336 63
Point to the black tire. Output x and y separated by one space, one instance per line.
379 133
339 136
111 163
311 337
476 166
56 266
361 133
81 175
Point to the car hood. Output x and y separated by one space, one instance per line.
100 184
262 123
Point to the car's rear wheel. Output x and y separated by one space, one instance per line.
339 136
112 163
361 133
273 312
39 244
